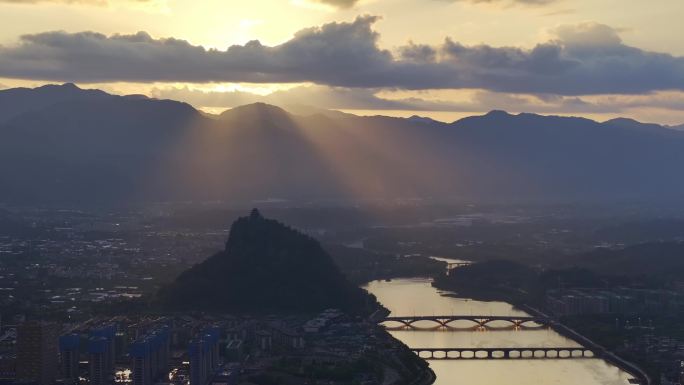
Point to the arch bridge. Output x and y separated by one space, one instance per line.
524 353
480 321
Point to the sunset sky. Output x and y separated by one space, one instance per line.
439 58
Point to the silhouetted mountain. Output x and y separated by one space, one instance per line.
631 124
304 110
572 157
261 111
265 267
16 101
88 147
422 119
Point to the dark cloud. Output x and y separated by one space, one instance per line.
336 53
371 99
584 59
418 53
88 2
508 2
338 3
314 96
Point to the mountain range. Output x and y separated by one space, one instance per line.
61 144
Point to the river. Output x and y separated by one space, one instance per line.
418 297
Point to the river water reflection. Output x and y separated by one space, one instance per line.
418 297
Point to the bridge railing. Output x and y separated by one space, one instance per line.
477 320
508 353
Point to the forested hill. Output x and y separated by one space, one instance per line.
266 267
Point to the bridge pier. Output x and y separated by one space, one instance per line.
523 353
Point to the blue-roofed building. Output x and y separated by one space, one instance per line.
150 355
69 348
140 353
199 367
100 370
204 356
101 354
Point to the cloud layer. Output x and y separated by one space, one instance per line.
524 2
334 3
371 99
339 3
88 2
583 59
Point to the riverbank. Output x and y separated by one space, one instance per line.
517 299
524 288
518 302
419 297
401 365
605 354
428 378
493 281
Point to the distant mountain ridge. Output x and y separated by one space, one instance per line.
61 144
16 101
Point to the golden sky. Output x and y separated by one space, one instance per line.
441 58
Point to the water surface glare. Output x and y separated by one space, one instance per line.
408 297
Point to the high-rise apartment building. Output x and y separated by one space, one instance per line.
37 352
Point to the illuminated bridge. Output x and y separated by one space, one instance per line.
523 353
480 321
